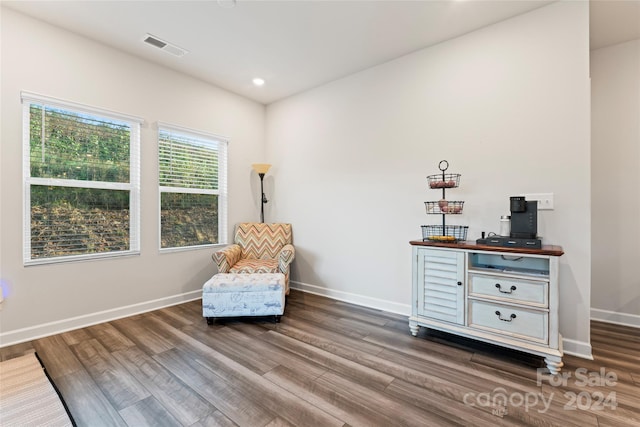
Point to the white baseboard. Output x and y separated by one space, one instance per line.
34 332
625 319
376 303
577 348
572 347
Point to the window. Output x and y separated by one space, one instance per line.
81 181
193 188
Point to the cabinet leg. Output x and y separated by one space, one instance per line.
554 364
413 327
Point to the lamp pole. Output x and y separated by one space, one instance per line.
264 197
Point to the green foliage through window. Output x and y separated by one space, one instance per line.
190 188
68 145
80 182
187 162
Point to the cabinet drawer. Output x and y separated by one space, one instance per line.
528 292
518 322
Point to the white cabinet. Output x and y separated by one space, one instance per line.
505 296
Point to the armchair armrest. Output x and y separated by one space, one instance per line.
286 255
227 257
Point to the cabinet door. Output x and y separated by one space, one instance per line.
440 284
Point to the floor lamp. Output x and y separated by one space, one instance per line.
261 169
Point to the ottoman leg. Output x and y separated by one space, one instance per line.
276 318
210 320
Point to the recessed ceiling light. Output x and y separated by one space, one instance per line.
258 81
227 4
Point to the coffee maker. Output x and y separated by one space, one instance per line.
524 218
524 226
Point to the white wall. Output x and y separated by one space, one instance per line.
615 79
39 58
508 106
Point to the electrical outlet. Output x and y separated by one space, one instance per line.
545 200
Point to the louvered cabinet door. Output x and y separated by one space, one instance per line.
440 284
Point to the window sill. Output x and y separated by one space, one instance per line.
79 258
192 248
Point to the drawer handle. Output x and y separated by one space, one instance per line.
513 288
513 316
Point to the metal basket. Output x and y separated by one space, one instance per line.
447 180
444 207
451 233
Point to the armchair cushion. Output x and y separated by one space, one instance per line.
255 266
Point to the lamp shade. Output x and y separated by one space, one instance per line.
261 167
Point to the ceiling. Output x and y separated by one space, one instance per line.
295 45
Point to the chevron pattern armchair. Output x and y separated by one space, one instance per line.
258 248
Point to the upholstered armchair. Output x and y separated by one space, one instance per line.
258 248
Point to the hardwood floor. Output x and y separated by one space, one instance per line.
327 363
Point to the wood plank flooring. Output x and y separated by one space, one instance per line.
327 363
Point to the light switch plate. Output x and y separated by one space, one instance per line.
545 200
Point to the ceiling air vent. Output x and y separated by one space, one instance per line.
166 46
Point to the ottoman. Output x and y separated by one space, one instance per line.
243 294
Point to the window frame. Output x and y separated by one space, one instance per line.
133 186
221 192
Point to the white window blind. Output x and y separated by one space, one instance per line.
81 170
192 169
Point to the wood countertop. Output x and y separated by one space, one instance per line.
545 250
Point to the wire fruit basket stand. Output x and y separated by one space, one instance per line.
443 232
